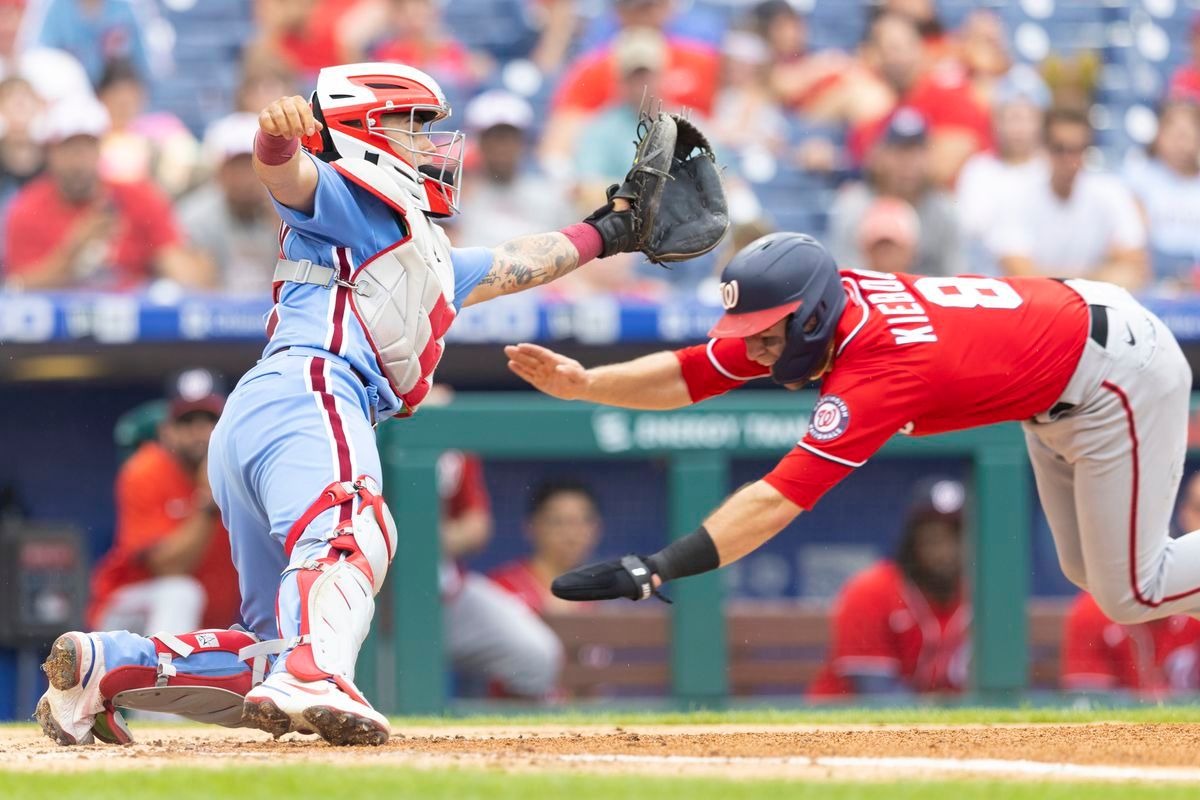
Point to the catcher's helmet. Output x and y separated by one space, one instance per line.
778 276
350 101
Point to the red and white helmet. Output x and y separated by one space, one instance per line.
350 101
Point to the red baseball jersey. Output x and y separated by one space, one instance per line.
883 625
461 488
154 495
517 578
1099 654
915 355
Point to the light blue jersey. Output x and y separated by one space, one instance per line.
348 227
299 421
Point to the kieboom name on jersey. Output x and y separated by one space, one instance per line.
889 297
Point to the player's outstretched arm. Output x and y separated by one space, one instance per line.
529 261
525 262
750 517
290 177
653 382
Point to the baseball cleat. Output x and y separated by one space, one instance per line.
73 711
283 703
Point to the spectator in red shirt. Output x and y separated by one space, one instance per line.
923 13
826 85
303 34
169 568
411 32
959 122
593 81
563 526
1185 83
71 228
902 626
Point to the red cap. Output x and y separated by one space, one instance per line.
739 326
889 219
194 390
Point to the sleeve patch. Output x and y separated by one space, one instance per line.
830 419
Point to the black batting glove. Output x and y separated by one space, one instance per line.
629 577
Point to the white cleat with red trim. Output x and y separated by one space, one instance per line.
73 710
284 703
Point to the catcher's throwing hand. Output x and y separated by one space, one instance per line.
289 117
548 371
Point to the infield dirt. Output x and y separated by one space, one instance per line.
1152 751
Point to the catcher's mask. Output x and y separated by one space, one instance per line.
783 275
351 102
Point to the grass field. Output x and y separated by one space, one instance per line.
463 783
1150 753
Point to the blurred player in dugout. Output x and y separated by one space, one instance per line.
493 640
903 625
1154 658
563 526
169 568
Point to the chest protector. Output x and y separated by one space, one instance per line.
402 296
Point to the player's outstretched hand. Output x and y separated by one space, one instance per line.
629 577
548 371
289 117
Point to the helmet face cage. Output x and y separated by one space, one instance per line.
436 156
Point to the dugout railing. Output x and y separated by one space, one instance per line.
403 667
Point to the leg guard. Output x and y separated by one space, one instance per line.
202 676
337 590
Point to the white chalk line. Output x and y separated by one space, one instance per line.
988 766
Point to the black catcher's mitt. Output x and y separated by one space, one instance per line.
606 580
678 208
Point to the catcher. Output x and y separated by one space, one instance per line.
1098 382
365 289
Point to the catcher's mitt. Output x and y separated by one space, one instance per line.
678 208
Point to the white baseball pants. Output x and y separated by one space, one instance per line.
1108 470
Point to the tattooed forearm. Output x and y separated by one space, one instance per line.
530 261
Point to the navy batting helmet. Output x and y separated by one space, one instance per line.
777 276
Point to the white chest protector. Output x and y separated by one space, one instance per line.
402 296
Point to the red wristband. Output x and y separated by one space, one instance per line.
274 150
586 240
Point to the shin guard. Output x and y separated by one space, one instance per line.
337 590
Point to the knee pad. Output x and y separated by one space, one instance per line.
201 676
337 591
367 539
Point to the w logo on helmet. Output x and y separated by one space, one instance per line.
729 295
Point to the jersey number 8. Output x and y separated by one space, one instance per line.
968 292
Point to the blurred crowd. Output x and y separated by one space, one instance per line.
925 148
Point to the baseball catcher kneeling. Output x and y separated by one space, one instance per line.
365 289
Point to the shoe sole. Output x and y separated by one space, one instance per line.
51 728
342 728
62 665
266 716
